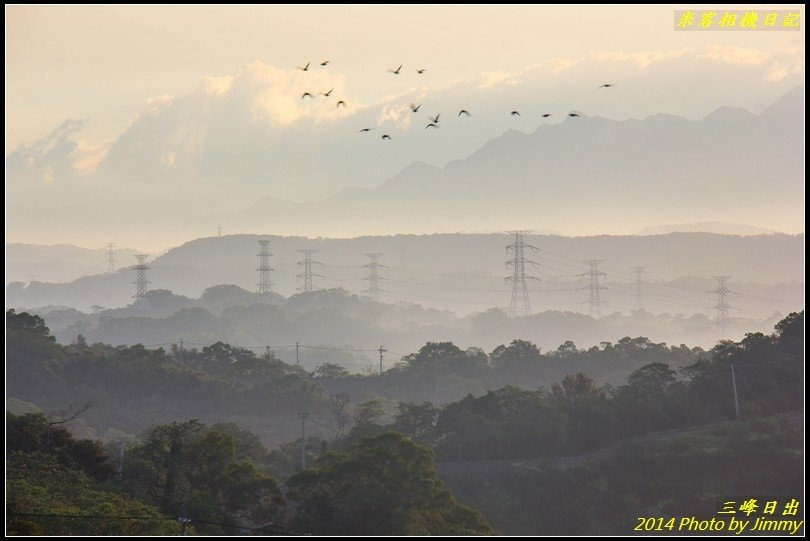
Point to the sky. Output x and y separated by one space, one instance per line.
130 122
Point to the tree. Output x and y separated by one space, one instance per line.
331 370
383 485
367 411
415 420
203 472
515 354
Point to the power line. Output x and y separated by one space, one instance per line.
265 284
140 304
520 304
722 307
307 275
595 301
373 277
110 258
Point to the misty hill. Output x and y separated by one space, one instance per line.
58 262
465 273
706 227
626 175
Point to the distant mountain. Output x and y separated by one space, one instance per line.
465 272
58 262
707 227
625 175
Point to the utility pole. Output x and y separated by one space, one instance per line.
140 304
297 360
595 301
734 385
264 268
722 307
307 275
304 440
219 231
639 273
520 305
110 258
181 351
374 277
381 350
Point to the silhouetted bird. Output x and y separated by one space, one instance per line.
464 112
341 102
606 85
432 125
514 113
365 129
435 120
415 107
396 72
386 136
573 114
327 93
325 63
546 115
305 68
420 71
305 94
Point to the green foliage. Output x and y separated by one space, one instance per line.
415 420
132 388
383 485
330 370
49 472
33 432
194 470
507 423
675 474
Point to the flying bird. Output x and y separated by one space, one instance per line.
385 136
415 107
305 94
435 120
432 125
606 85
327 93
365 129
325 63
464 112
396 71
546 115
573 115
305 68
514 113
420 71
341 102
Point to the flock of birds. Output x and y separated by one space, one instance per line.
434 121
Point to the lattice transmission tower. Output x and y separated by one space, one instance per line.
307 274
374 290
520 305
264 268
595 301
141 283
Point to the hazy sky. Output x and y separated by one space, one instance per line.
109 109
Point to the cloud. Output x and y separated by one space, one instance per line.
399 115
736 56
641 59
492 79
48 159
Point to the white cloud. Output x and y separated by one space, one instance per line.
492 79
641 59
736 56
